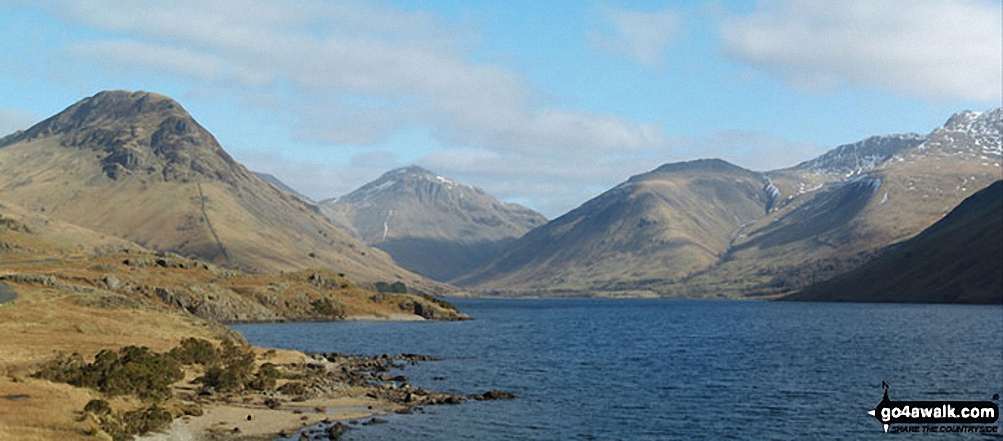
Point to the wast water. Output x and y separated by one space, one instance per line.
663 369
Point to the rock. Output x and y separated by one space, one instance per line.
375 420
110 282
493 394
336 430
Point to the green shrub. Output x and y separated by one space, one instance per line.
196 351
131 371
393 288
324 306
265 378
234 372
293 388
97 407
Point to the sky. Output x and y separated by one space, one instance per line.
543 103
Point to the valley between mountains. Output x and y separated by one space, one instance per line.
136 167
123 222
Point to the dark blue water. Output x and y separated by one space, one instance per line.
657 369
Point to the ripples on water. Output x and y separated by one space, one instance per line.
657 369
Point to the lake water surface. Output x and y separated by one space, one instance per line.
663 369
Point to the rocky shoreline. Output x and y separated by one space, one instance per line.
374 373
331 393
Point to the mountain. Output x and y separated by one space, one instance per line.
957 260
811 222
432 225
281 186
136 165
666 224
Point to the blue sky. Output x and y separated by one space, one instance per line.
542 103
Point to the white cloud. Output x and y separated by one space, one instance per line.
555 182
12 120
342 73
313 179
639 36
935 49
349 73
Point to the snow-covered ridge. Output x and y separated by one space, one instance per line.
979 130
851 160
403 177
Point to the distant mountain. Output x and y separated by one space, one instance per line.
281 186
432 225
793 227
957 260
136 165
666 224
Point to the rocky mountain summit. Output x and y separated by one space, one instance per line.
136 165
430 224
137 132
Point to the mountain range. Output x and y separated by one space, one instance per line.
433 225
137 166
711 229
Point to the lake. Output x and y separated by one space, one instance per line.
656 369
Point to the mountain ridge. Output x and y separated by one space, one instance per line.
955 260
138 166
819 218
431 224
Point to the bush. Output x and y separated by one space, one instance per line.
265 378
131 371
97 407
393 288
124 426
196 351
143 421
326 307
234 372
293 388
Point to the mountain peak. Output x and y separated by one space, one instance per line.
972 121
708 164
411 170
137 132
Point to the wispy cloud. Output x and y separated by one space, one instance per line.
351 73
359 74
935 49
640 36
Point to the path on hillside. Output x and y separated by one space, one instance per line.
212 230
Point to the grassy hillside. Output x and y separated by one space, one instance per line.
137 166
664 225
957 260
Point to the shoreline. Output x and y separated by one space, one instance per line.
391 317
339 389
230 421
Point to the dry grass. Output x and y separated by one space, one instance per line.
41 323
